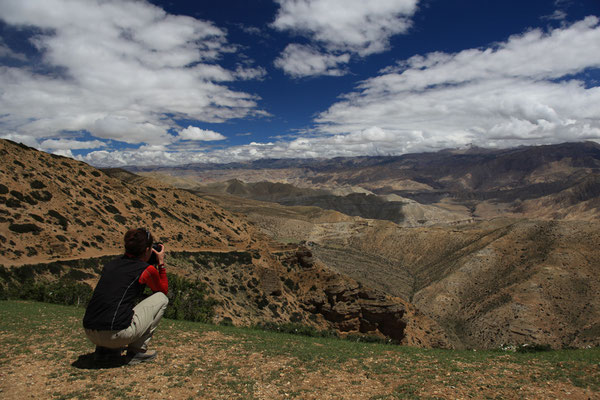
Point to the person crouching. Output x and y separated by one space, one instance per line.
112 321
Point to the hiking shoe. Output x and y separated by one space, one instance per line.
105 354
140 356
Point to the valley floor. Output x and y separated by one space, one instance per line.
44 354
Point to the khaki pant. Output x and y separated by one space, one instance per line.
146 316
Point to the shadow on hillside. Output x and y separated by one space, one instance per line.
89 361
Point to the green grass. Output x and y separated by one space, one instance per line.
208 361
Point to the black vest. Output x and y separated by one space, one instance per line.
111 306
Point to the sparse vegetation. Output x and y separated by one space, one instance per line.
42 195
62 221
112 209
137 204
24 228
13 203
120 219
188 300
227 362
37 184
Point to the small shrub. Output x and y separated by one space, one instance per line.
112 209
62 221
533 348
16 194
289 283
24 228
273 308
137 204
96 173
262 303
3 189
30 200
295 317
13 203
120 219
37 185
42 195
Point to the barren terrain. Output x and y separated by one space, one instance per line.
211 362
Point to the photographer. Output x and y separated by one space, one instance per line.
111 320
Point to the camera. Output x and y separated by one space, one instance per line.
153 260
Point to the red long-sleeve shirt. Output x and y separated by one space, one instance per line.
155 279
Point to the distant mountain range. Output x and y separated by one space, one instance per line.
552 182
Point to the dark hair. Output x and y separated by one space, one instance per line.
137 241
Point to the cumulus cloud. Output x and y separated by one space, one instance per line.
339 28
66 144
523 91
300 60
358 26
122 70
195 133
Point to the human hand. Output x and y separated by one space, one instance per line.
160 255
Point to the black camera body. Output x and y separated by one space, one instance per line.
153 260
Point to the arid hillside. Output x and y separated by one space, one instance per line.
53 207
348 200
61 210
489 283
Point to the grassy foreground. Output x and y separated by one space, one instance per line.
42 346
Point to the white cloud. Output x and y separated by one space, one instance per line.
126 68
195 133
66 144
521 92
64 153
341 28
300 60
557 15
518 92
359 26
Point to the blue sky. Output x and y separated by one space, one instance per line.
169 82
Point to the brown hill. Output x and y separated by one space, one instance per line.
347 200
54 208
504 281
